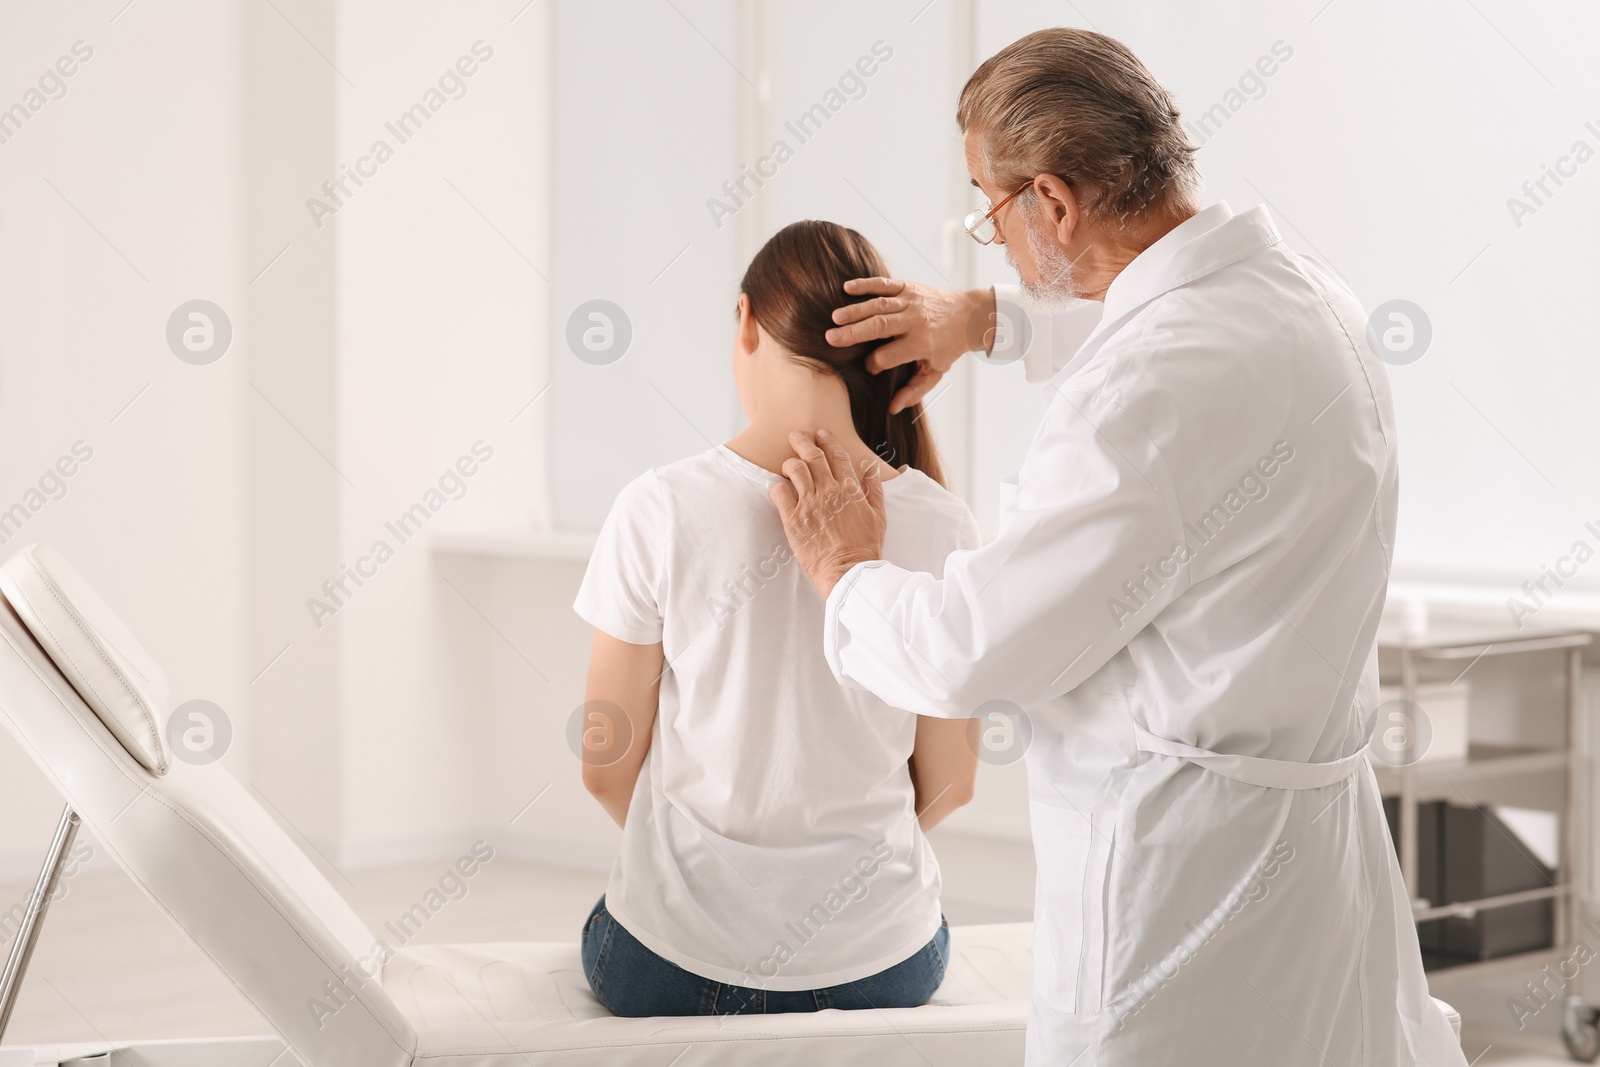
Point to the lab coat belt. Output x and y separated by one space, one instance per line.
1255 770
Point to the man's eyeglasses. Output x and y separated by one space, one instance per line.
980 223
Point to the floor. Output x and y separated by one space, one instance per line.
110 966
1494 1049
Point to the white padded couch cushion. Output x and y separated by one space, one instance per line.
88 643
1451 1016
498 1005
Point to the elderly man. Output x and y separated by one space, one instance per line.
1181 604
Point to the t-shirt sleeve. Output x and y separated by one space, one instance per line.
621 591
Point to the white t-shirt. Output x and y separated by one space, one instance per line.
772 838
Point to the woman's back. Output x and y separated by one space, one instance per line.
772 838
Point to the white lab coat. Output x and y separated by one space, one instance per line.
1183 596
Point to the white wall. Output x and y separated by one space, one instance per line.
442 336
119 201
369 353
1388 145
632 169
887 163
290 120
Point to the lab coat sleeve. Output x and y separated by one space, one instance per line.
1090 549
1043 341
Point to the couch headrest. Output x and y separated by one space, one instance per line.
92 648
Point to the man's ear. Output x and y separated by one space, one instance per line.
1059 203
748 333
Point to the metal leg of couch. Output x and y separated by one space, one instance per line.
33 918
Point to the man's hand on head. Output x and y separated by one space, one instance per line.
832 514
931 328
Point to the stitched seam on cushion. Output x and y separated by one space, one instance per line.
206 837
138 701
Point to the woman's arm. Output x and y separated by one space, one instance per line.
944 766
619 713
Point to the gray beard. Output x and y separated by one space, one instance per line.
1057 286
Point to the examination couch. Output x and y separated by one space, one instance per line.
89 705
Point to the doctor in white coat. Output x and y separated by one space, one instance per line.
1180 607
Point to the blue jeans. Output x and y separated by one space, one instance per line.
631 980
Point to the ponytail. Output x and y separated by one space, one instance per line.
899 439
794 284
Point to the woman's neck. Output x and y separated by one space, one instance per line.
765 442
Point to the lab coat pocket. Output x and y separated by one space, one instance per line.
1062 844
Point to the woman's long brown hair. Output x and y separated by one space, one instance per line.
794 283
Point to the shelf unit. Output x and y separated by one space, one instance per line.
1486 767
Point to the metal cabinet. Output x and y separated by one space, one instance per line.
1493 774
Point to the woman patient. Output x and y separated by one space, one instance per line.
773 857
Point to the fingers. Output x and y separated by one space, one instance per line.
839 464
874 287
872 485
799 475
873 328
881 305
920 385
891 355
805 447
785 500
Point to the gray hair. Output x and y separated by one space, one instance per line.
1081 106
